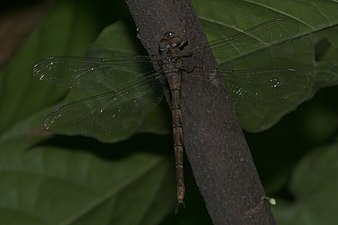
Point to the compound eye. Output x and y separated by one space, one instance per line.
176 42
163 45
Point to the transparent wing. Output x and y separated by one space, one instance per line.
109 113
262 83
265 85
258 37
87 72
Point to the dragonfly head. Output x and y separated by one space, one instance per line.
170 41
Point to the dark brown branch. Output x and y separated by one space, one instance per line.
213 139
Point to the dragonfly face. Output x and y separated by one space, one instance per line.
171 42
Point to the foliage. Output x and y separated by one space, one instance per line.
77 180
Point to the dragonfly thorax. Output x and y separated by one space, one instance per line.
170 48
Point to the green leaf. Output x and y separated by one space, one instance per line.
110 96
54 182
270 72
314 186
290 45
53 185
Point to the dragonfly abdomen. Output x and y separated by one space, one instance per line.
174 82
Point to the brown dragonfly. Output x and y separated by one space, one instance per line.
124 89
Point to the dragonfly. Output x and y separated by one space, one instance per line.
125 89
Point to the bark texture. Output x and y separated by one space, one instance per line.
214 143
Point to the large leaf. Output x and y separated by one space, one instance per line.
299 44
314 186
51 185
269 68
110 96
42 184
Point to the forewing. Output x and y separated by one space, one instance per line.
74 72
260 37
